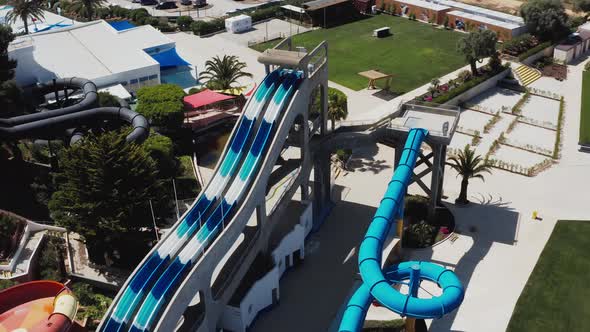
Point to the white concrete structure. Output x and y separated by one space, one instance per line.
93 50
237 24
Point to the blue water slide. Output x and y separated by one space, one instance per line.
377 283
190 222
182 264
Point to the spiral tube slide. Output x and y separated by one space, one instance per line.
37 306
376 282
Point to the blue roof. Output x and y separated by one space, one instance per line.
121 25
169 58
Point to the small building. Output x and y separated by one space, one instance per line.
133 57
467 21
574 46
327 13
423 10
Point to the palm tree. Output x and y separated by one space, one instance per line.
468 165
337 106
222 73
25 9
86 8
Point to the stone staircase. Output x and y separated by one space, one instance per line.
527 75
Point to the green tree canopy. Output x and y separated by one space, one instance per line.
86 8
476 46
161 150
11 100
545 19
223 73
103 190
162 105
581 5
337 106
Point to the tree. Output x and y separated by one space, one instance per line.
86 8
25 10
162 105
476 46
468 166
581 5
11 100
103 190
161 150
337 106
545 19
222 73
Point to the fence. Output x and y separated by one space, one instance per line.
268 37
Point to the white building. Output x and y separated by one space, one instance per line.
98 52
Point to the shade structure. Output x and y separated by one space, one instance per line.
204 98
122 25
169 59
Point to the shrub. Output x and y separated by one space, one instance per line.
162 104
51 259
446 22
138 14
519 44
103 12
420 235
452 93
153 21
557 146
416 208
264 13
464 75
201 28
106 99
165 27
587 66
161 150
533 51
184 22
192 91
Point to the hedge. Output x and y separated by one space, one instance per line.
467 85
201 28
534 51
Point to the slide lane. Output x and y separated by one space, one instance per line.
192 220
178 269
376 282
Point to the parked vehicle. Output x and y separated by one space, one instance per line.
148 2
200 3
166 5
186 2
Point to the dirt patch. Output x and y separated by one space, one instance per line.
556 70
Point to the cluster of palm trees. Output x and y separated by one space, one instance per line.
29 10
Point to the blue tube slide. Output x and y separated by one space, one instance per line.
159 259
376 282
174 274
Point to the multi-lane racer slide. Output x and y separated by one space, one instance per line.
164 263
377 283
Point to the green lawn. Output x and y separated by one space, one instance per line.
415 53
585 112
556 295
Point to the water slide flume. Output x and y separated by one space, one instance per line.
377 284
174 274
155 264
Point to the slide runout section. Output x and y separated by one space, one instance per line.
376 285
174 274
191 221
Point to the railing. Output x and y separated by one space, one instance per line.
315 59
269 37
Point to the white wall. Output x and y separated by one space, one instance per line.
476 90
232 319
562 56
259 296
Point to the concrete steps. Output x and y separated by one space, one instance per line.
527 75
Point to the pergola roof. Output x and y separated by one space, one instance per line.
204 98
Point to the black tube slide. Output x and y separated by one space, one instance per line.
60 123
49 122
89 100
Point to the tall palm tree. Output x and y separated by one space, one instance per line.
468 165
25 10
86 8
222 73
337 106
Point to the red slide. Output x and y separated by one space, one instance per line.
37 306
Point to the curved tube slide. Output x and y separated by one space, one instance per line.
153 267
182 264
376 282
89 100
37 306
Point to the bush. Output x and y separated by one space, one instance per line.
103 12
51 259
153 21
415 208
587 66
452 93
575 21
265 13
184 22
192 91
201 28
165 27
106 99
138 14
519 44
5 283
534 51
396 325
161 150
92 304
420 235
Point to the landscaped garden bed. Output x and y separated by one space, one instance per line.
422 231
11 232
585 110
